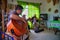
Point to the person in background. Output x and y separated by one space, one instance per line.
42 25
24 16
34 19
36 27
30 24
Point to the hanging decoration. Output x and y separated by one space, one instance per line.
56 11
48 1
49 9
55 2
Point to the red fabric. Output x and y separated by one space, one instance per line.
19 29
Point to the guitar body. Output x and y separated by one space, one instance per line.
19 28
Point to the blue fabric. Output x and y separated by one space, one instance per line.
6 35
0 36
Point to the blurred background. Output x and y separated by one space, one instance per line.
46 12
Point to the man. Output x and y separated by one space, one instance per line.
15 16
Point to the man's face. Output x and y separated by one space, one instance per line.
19 11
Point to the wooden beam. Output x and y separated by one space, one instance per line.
3 7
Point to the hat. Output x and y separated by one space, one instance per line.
18 7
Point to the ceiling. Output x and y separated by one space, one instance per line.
33 1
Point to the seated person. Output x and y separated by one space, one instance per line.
37 28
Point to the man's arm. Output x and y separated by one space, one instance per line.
15 17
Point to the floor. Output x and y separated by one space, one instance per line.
45 35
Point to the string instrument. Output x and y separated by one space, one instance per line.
19 27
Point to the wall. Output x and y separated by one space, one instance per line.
44 9
45 6
59 10
34 1
12 2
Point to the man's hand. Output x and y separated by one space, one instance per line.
16 17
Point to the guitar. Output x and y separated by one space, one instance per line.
19 27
